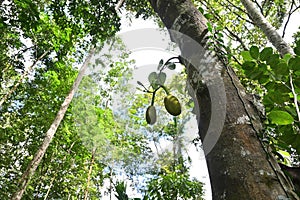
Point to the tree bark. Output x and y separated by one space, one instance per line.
239 165
31 168
260 21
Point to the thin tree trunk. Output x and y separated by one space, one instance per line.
23 76
86 192
238 163
50 133
260 21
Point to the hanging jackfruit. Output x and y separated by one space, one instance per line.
151 115
172 105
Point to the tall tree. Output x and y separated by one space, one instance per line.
237 163
52 36
50 133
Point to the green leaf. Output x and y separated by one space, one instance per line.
162 78
160 64
287 57
280 117
256 74
152 78
297 73
263 67
281 68
208 16
201 10
291 109
266 53
246 55
254 52
297 50
294 63
264 79
209 27
277 97
273 60
249 65
296 82
171 66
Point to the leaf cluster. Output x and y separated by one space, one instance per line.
278 82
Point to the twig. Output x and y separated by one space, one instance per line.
259 6
119 4
232 33
288 19
237 14
295 97
237 7
237 38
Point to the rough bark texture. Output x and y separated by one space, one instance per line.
260 21
30 170
238 164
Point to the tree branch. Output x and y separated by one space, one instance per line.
259 6
271 33
289 16
119 4
237 38
288 19
237 14
238 8
295 98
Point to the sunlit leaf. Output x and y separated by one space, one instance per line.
280 117
246 55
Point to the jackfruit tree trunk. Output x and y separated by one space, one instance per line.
239 166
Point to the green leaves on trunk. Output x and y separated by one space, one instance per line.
277 80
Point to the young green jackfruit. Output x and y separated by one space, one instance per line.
172 105
151 115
